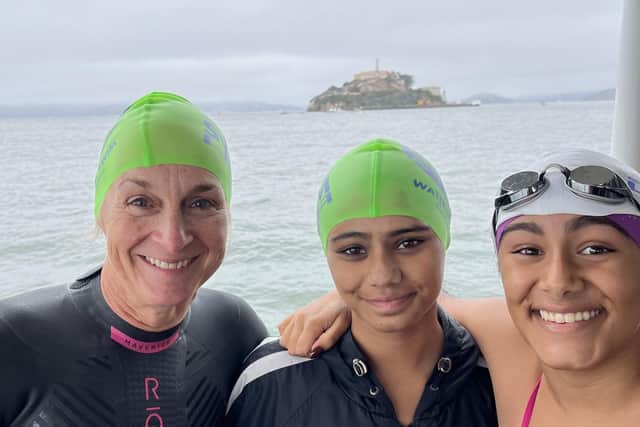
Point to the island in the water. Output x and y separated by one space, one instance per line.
376 90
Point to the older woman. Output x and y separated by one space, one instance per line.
564 350
383 219
137 342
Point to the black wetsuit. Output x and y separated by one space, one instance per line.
337 389
67 360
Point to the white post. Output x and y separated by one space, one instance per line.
626 126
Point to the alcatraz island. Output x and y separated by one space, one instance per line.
379 90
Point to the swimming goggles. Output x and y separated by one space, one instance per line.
593 182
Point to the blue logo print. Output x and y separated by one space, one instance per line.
440 199
324 196
426 167
211 134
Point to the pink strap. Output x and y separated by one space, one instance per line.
528 412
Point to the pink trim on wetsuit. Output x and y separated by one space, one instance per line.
141 346
528 412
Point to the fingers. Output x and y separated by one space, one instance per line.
309 331
330 336
282 326
300 331
290 329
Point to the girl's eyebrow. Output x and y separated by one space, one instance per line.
523 226
350 234
415 229
586 220
366 236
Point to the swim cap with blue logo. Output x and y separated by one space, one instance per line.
380 178
557 198
159 129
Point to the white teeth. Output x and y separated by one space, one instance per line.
568 317
167 265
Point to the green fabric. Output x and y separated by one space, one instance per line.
159 129
380 178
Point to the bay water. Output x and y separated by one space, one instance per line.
275 259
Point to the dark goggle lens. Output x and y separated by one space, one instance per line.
595 176
598 181
519 181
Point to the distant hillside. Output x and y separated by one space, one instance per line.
247 107
491 98
605 95
62 110
488 98
377 90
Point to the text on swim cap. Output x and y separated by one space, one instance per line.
440 200
426 168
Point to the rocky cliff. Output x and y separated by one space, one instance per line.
377 90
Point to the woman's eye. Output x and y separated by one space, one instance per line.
139 202
528 251
409 243
203 204
595 250
353 251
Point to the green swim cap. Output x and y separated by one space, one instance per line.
162 129
380 178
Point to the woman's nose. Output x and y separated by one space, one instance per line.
173 232
384 270
560 275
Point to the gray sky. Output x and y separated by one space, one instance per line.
287 51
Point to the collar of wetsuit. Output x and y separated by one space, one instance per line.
98 309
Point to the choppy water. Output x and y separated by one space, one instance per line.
275 260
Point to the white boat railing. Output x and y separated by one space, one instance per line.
626 125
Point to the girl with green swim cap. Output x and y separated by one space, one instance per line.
383 219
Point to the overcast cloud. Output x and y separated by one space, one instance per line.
287 51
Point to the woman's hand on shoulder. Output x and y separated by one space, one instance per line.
315 327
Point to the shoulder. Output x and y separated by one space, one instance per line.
34 331
220 305
222 320
225 327
267 363
29 312
45 312
273 384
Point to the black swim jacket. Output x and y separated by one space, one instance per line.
338 390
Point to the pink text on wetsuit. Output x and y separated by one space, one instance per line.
142 346
151 386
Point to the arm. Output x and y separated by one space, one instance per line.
315 327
